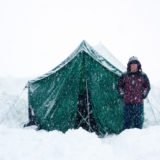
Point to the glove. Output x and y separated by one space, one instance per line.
122 94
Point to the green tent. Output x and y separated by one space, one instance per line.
80 92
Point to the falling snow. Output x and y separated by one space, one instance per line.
20 143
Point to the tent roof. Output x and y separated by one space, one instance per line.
83 47
109 56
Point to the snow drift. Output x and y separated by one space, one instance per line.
28 144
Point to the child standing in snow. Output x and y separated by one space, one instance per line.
133 86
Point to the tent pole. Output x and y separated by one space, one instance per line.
85 120
88 108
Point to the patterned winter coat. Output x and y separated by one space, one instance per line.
133 87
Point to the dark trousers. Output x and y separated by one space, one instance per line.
133 113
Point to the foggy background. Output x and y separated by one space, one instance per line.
37 35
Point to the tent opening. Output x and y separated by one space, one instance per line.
85 117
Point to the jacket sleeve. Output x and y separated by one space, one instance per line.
146 86
121 86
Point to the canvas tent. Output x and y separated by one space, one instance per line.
80 92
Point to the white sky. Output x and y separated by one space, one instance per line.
37 35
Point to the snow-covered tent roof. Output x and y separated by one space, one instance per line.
101 55
109 56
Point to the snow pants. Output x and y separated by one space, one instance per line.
133 113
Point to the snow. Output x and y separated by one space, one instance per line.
20 143
152 107
12 85
28 144
100 48
13 101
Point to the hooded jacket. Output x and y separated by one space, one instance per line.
133 87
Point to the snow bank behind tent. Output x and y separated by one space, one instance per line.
13 102
152 107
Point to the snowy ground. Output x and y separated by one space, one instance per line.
28 144
17 143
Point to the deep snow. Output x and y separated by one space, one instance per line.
17 143
28 144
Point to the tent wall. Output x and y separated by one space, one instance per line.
107 105
54 98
